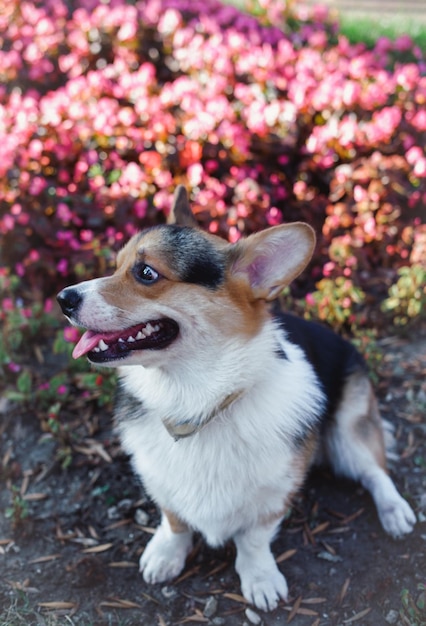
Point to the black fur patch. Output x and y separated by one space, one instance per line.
192 256
195 258
333 358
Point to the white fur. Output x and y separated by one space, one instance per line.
239 468
165 555
237 471
262 583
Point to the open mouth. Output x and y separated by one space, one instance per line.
102 347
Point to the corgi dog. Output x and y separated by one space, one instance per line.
226 402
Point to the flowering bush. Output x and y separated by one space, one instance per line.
265 117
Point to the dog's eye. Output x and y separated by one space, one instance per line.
145 274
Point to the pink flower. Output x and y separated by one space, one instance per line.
127 31
37 185
407 76
309 299
414 154
274 216
360 194
71 334
169 22
195 174
7 304
419 169
139 208
234 234
328 268
14 367
86 235
63 212
419 120
62 267
403 43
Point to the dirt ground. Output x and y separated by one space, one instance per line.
70 539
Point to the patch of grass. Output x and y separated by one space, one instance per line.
18 510
20 613
368 28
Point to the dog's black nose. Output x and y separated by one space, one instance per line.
69 300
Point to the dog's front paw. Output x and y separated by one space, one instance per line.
264 589
397 517
164 557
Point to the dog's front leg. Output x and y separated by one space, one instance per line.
262 583
165 555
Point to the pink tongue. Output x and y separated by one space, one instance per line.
87 342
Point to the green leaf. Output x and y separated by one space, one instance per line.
24 382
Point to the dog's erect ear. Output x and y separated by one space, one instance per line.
180 212
271 259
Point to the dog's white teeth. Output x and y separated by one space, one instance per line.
145 332
102 345
96 349
148 330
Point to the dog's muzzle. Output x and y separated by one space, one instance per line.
70 300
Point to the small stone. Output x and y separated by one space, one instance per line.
168 592
4 406
210 607
125 505
218 621
113 513
326 556
392 617
253 617
141 517
421 396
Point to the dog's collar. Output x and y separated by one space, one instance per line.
181 430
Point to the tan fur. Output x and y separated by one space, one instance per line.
176 525
180 212
369 429
252 313
302 461
359 415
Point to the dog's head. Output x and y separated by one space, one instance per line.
177 288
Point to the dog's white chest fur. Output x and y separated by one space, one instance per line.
238 468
